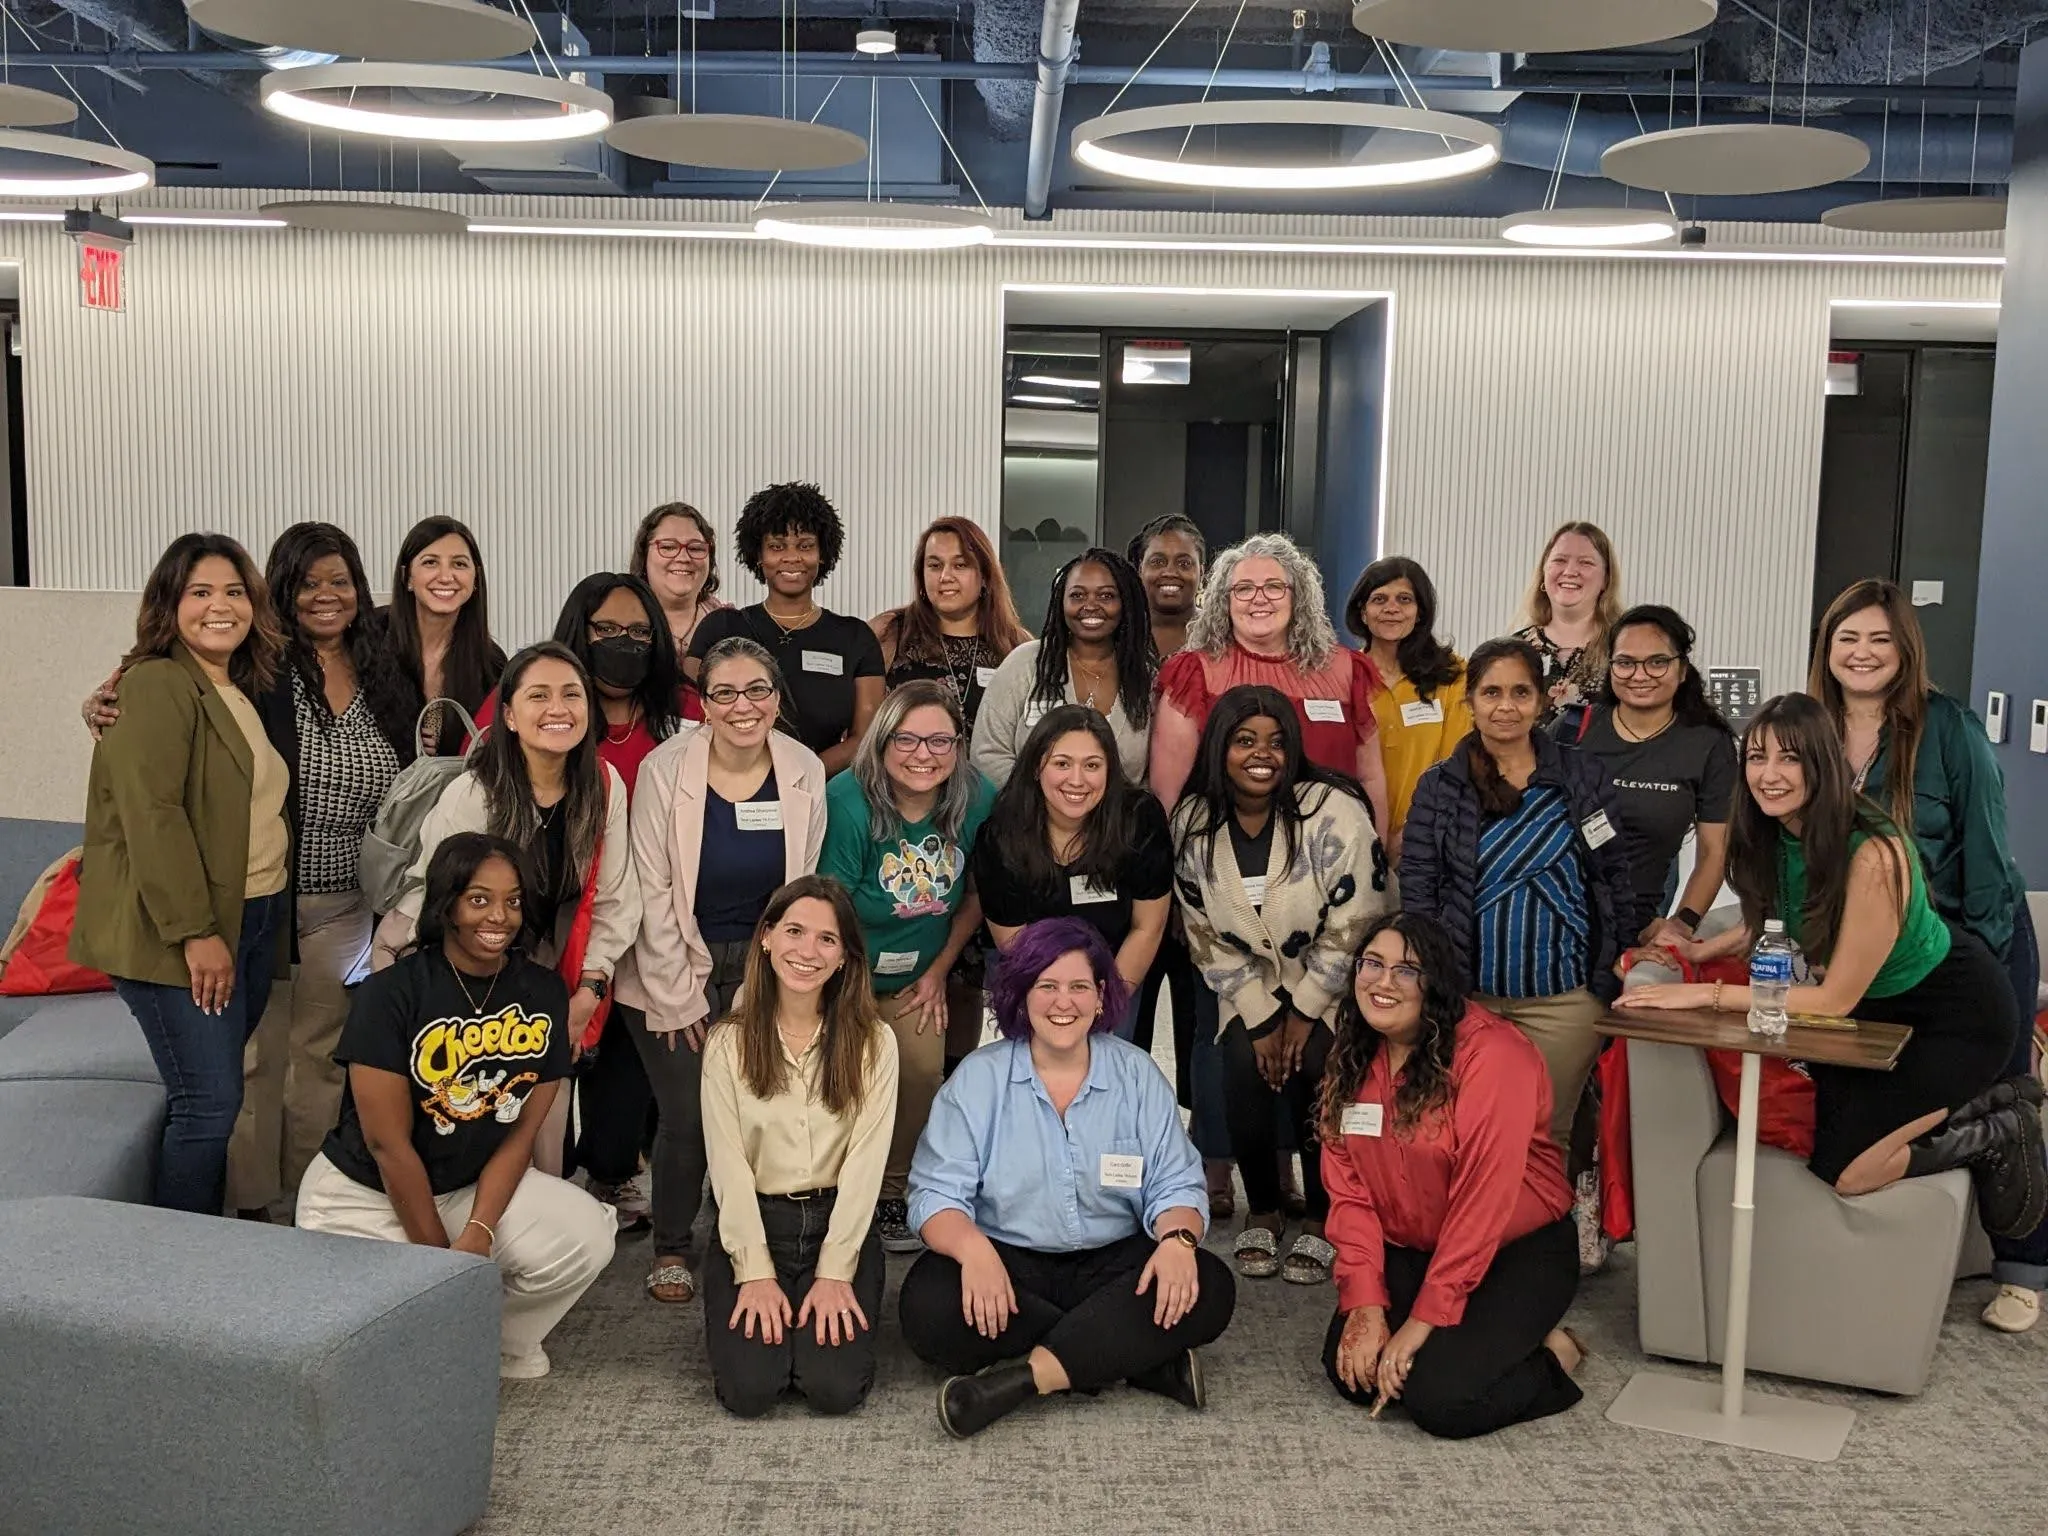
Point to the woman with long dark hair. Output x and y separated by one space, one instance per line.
454 1057
181 891
440 625
1449 1211
799 1094
1279 872
1095 649
1806 849
960 621
1420 704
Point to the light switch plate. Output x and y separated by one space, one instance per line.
1995 705
2037 734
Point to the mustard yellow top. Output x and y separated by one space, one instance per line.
1415 736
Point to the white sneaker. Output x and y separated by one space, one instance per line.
2014 1309
524 1367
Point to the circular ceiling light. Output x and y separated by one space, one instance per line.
1530 26
1589 227
342 216
874 37
403 31
23 106
564 109
117 170
1920 216
1481 141
1735 159
875 226
653 129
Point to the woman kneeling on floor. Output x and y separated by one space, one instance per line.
799 1101
1060 1201
454 1055
1456 1252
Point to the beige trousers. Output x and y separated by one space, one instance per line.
553 1240
920 1066
1562 1029
291 1086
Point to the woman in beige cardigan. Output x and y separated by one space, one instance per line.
723 816
1279 873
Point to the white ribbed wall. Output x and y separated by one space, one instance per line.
549 390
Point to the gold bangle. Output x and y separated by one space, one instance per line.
473 1222
1717 997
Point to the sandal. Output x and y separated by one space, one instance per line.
1258 1253
677 1275
1309 1260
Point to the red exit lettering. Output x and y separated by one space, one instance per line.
99 276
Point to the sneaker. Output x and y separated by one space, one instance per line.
2014 1309
637 1194
892 1227
618 1198
524 1367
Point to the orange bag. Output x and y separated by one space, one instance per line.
34 962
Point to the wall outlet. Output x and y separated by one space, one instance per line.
1994 717
2037 735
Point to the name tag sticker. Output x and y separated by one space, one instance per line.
1122 1172
1330 711
1255 890
1419 713
1082 892
1035 712
1598 829
985 675
830 663
759 815
896 962
1363 1119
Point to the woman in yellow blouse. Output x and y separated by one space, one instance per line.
799 1101
1421 711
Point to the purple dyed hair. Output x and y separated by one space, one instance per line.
1036 948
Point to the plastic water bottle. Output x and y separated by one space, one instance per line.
1772 965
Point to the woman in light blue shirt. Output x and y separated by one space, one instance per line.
1060 1202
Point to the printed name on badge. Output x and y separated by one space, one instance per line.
828 662
1363 1119
896 962
758 815
1255 890
1082 892
1598 829
1419 713
1330 711
1122 1172
985 675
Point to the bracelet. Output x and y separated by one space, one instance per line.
1717 997
473 1222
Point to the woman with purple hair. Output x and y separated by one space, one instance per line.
1060 1202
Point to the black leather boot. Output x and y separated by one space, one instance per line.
2000 1095
1179 1378
2003 1151
969 1404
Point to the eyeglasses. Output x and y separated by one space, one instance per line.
668 549
605 629
1374 966
1245 591
760 691
1649 666
940 745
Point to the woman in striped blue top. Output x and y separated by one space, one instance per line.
1514 844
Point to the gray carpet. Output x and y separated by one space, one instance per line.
625 1437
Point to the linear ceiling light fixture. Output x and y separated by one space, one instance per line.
875 226
1481 146
562 109
112 171
1576 227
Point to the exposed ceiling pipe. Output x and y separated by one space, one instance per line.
1055 59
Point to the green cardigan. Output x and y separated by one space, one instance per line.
166 826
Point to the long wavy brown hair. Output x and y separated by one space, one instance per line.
1905 703
852 1029
1425 1082
916 623
1606 609
254 666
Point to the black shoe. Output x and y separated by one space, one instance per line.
1179 1378
1960 1142
2000 1095
2011 1179
969 1404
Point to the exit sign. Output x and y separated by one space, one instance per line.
101 281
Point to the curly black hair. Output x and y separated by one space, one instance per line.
1425 1082
795 506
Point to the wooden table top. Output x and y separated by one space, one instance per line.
1871 1045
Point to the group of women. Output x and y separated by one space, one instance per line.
742 884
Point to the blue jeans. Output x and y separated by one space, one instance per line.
199 1057
2023 1260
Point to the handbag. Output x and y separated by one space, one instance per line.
35 961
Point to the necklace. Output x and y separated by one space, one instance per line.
476 1008
1095 677
803 621
1628 733
789 1046
963 658
632 724
548 812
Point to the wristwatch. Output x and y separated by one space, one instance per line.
1184 1235
597 986
1689 918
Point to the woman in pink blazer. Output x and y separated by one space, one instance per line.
723 815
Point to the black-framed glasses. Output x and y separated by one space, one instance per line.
760 691
1374 966
605 629
939 744
1652 667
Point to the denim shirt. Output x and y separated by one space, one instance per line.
996 1150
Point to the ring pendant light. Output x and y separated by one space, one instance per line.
566 110
114 171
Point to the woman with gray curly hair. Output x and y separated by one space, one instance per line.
1263 621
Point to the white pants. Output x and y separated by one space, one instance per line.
553 1240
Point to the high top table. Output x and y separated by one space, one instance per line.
1730 1414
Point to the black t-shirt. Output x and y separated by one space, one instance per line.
1144 873
819 664
471 1057
1683 775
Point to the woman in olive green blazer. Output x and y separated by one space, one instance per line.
182 886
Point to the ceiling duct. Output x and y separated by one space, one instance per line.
1006 32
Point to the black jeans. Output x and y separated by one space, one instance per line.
1173 972
612 1095
2022 1260
1490 1370
751 1374
1083 1307
1249 1110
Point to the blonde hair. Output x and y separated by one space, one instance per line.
1606 610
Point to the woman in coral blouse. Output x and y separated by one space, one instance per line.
1449 1210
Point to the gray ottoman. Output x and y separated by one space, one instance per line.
183 1374
81 1108
74 1037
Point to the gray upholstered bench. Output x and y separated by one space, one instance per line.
185 1374
81 1106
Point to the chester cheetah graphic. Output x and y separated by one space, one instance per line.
451 1058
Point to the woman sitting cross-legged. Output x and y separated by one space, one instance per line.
1456 1252
1060 1202
799 1099
454 1056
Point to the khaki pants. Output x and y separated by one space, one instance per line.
291 1085
1562 1029
920 1066
553 1240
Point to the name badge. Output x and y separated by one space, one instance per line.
1255 890
1598 829
896 962
1363 1119
1420 713
759 815
985 676
1033 713
1122 1172
831 663
1330 711
1082 892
